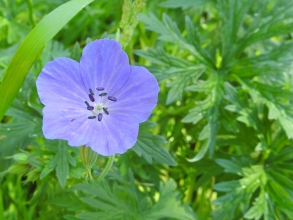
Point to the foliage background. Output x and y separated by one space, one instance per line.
219 143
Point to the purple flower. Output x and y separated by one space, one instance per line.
98 102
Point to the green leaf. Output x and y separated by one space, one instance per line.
179 71
204 148
194 38
183 4
208 134
13 135
282 179
278 109
199 112
268 23
177 88
227 186
194 115
61 163
2 216
126 202
238 192
95 216
259 208
248 113
150 146
76 52
205 106
45 171
160 57
229 166
271 63
107 203
169 204
5 57
52 50
233 14
31 47
16 134
169 31
281 197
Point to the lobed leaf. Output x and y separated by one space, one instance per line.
150 146
169 31
229 166
168 204
61 162
259 208
183 4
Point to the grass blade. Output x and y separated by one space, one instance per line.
30 48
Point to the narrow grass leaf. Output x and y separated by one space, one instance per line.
30 48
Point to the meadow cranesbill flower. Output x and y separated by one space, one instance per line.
98 102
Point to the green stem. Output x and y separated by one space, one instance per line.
107 168
30 13
190 192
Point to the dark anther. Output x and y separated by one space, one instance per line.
100 88
103 94
112 98
90 108
91 91
87 104
100 116
92 117
106 111
91 97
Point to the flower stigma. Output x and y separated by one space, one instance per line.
99 109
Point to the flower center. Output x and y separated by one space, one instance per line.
98 107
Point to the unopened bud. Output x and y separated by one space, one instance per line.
88 158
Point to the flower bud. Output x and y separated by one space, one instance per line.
88 158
